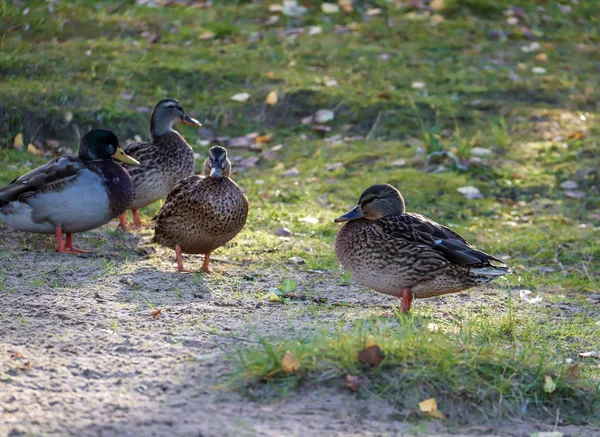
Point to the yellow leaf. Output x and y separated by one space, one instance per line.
428 405
34 150
289 363
263 139
438 5
270 74
18 143
272 98
346 5
549 384
437 414
207 35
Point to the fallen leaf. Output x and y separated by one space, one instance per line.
532 47
307 120
16 354
34 150
330 83
150 36
543 57
68 116
539 70
575 194
373 11
399 162
346 5
289 363
291 172
438 5
324 115
591 354
547 434
480 151
291 8
372 356
418 85
430 406
272 297
573 372
549 384
569 185
311 220
353 382
155 313
330 8
240 97
241 142
272 98
576 135
249 162
296 260
335 166
270 74
263 139
275 8
470 192
385 96
437 18
18 142
206 35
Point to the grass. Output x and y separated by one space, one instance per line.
83 57
490 368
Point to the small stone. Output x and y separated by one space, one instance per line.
335 166
399 162
569 185
291 172
283 232
324 116
296 260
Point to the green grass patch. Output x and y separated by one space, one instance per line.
492 367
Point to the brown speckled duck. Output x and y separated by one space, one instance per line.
164 161
202 214
407 255
71 193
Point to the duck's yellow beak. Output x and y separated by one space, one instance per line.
353 214
190 121
119 155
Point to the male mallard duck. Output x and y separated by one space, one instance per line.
164 161
71 194
202 214
407 255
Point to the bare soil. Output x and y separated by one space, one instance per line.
81 355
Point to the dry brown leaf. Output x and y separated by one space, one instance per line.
34 150
353 382
438 5
155 313
573 372
263 139
272 98
16 354
18 143
372 356
576 135
543 57
206 35
270 74
289 363
346 5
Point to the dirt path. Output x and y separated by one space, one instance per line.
81 355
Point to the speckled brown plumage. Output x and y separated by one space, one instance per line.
202 214
164 161
390 251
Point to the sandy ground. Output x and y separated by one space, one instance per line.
80 354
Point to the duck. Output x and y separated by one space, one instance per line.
164 161
71 194
202 214
407 255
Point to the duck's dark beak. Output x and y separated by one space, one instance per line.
119 155
353 214
216 172
190 121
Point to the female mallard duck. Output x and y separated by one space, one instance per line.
407 255
71 194
202 214
164 161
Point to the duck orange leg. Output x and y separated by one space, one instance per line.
61 246
179 263
205 268
137 221
123 221
406 300
69 245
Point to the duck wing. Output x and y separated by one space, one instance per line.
421 231
145 154
51 176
